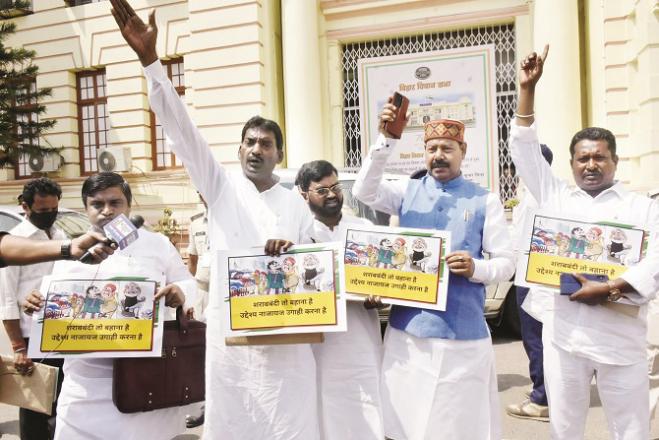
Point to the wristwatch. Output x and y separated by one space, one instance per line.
614 293
65 250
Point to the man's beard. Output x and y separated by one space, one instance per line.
325 211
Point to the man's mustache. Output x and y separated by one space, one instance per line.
440 164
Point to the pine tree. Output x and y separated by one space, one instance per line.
20 108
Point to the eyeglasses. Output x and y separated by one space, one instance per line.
324 191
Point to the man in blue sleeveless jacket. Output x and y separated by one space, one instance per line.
438 376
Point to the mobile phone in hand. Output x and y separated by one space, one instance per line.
395 128
569 284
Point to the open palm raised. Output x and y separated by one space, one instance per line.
139 36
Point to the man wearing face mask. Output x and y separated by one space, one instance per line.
79 417
40 200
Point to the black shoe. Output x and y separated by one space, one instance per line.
194 421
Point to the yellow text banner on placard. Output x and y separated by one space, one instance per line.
547 269
285 310
391 283
64 335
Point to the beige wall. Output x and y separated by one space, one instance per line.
624 77
343 21
235 69
232 58
602 69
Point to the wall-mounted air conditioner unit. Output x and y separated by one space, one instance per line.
115 159
44 163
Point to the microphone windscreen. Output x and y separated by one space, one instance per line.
121 230
137 220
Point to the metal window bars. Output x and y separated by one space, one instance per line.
502 36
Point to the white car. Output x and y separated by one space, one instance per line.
500 299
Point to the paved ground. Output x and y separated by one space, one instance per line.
513 380
512 375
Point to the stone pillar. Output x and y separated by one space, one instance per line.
558 104
302 85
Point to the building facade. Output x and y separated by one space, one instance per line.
295 61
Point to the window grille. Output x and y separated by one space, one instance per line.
161 154
502 36
93 120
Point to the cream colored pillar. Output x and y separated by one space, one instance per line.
302 96
558 97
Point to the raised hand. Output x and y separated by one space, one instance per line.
388 115
531 68
139 36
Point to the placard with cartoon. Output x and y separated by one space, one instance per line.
561 245
115 317
296 292
400 265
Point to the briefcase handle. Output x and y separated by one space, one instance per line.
181 320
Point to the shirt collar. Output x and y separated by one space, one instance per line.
31 229
323 226
253 187
617 189
453 183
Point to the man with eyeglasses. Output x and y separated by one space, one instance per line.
347 364
438 375
252 392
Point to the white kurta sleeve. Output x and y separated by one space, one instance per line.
183 137
306 225
644 277
497 243
530 164
192 245
370 188
177 273
9 307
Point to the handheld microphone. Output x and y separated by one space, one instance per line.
121 231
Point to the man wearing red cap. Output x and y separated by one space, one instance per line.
438 376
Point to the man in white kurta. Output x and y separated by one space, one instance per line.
582 339
85 409
40 201
252 392
438 372
348 363
258 391
653 355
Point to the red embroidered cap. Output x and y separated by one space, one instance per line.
444 129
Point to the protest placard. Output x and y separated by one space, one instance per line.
115 317
296 292
400 265
559 245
